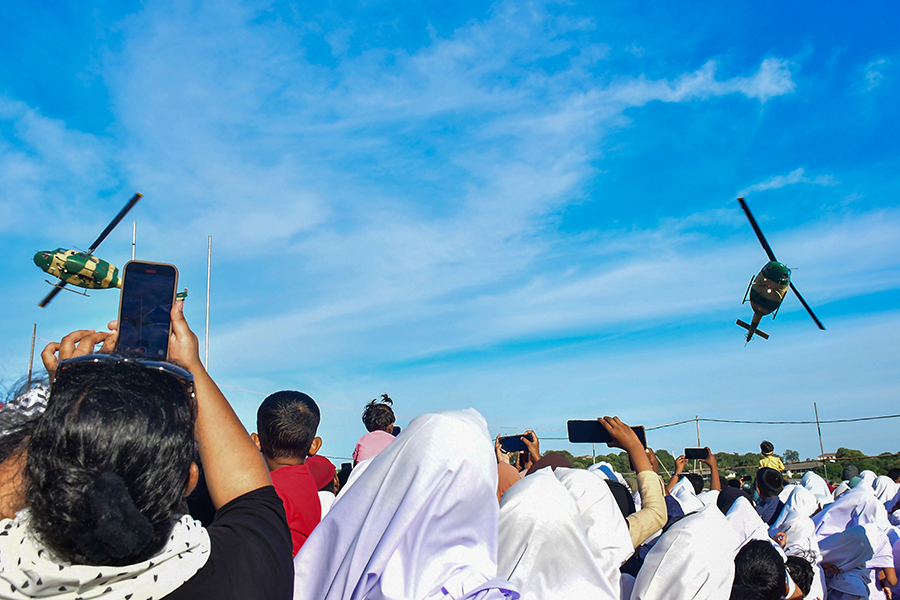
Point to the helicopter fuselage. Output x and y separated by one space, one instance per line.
78 268
769 287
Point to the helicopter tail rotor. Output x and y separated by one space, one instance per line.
752 329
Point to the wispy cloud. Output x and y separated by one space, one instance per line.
794 177
874 73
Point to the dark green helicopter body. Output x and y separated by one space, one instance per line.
767 290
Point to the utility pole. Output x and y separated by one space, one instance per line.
821 448
208 270
31 357
133 237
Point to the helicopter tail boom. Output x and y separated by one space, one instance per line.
751 329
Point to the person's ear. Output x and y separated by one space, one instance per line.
255 439
193 478
314 447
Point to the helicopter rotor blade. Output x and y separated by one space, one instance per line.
808 309
759 233
56 289
115 221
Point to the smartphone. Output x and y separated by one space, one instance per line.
145 306
593 431
514 443
696 453
395 431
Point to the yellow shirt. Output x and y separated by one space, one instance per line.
771 461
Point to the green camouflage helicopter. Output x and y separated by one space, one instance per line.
82 269
768 289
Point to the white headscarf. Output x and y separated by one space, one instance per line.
746 523
868 478
802 500
818 487
855 507
786 491
693 559
604 524
420 523
849 551
545 549
684 493
885 489
840 490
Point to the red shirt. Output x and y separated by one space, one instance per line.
297 489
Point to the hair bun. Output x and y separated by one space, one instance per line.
120 529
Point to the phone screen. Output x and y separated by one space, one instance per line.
513 443
593 431
148 291
696 453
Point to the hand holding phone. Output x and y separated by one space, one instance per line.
515 443
696 453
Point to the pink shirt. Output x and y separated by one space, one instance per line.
371 444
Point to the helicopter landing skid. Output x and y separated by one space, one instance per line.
85 294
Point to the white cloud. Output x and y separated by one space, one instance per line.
874 75
794 177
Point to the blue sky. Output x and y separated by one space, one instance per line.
523 207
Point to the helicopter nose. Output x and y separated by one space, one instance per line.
43 259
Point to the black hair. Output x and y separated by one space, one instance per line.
769 482
728 496
379 415
734 482
801 571
286 424
766 447
109 462
623 497
894 473
696 480
744 592
760 566
343 475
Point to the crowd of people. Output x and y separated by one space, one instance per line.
135 480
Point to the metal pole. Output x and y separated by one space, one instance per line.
31 358
133 237
821 448
697 422
208 271
593 455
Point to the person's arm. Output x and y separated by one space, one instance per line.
652 516
502 457
679 468
534 447
231 461
714 483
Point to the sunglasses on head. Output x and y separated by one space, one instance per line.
183 376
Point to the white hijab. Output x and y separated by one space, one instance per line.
545 548
693 559
746 523
885 489
868 478
420 523
684 494
849 551
818 487
855 507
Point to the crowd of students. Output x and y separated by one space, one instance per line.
134 480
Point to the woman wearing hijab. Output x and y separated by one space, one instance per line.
419 523
815 484
109 464
693 559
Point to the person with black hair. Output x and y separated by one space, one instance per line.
286 425
378 417
769 460
109 464
18 419
695 478
760 566
769 483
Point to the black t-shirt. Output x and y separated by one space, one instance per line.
250 557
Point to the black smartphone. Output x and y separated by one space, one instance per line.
395 431
594 432
145 306
514 443
696 453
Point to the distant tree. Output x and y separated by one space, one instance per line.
791 456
